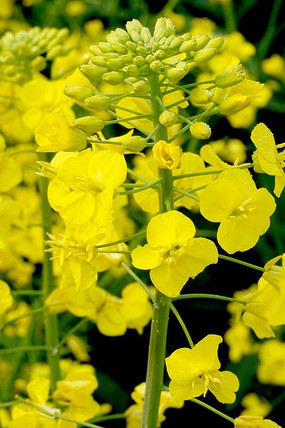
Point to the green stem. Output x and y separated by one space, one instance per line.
140 189
208 296
212 409
9 404
184 193
77 326
241 262
27 292
216 171
269 34
23 349
119 241
161 306
51 321
230 19
137 279
29 314
182 324
109 417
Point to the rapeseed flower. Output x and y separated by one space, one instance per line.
246 421
195 371
172 253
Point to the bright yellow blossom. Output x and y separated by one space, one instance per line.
239 341
6 297
274 66
166 156
195 371
172 253
247 421
271 368
266 158
242 210
255 405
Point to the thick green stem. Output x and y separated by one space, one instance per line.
51 321
161 306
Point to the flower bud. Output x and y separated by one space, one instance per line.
99 60
188 46
39 63
79 93
166 156
141 50
98 102
131 46
114 77
233 104
122 35
204 55
145 35
232 76
89 124
95 50
141 87
134 144
200 96
167 118
200 130
132 70
134 26
177 73
156 66
201 41
115 64
119 48
93 72
176 43
160 29
139 61
54 52
105 47
216 43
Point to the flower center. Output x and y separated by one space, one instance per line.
243 210
170 253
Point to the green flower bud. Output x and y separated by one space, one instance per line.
233 104
176 43
216 43
119 48
54 52
177 73
188 46
127 58
93 72
204 55
167 118
160 28
141 87
150 58
39 63
134 26
201 41
131 46
139 61
114 77
112 37
200 96
170 27
98 102
132 70
122 35
115 64
95 50
145 35
141 50
99 60
232 76
200 130
79 93
134 144
160 54
136 37
105 47
111 55
156 66
89 124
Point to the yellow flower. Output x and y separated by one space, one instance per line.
166 156
172 253
266 158
271 368
195 371
255 405
254 422
242 210
54 133
274 66
6 298
233 150
239 341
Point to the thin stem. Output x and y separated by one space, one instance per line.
31 348
139 116
212 409
109 417
113 252
269 34
216 171
138 177
137 279
29 314
230 19
27 292
9 404
208 296
119 241
147 186
241 262
182 324
51 321
71 331
184 193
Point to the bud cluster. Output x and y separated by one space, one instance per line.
131 55
26 52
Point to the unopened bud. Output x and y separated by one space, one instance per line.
216 43
98 102
160 29
201 41
167 118
131 46
132 70
145 35
54 52
166 156
114 77
122 35
99 60
156 66
95 50
141 50
89 124
105 47
39 63
232 76
119 48
233 104
176 43
93 72
141 87
204 55
200 96
139 61
115 64
177 73
188 46
79 93
200 130
134 144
